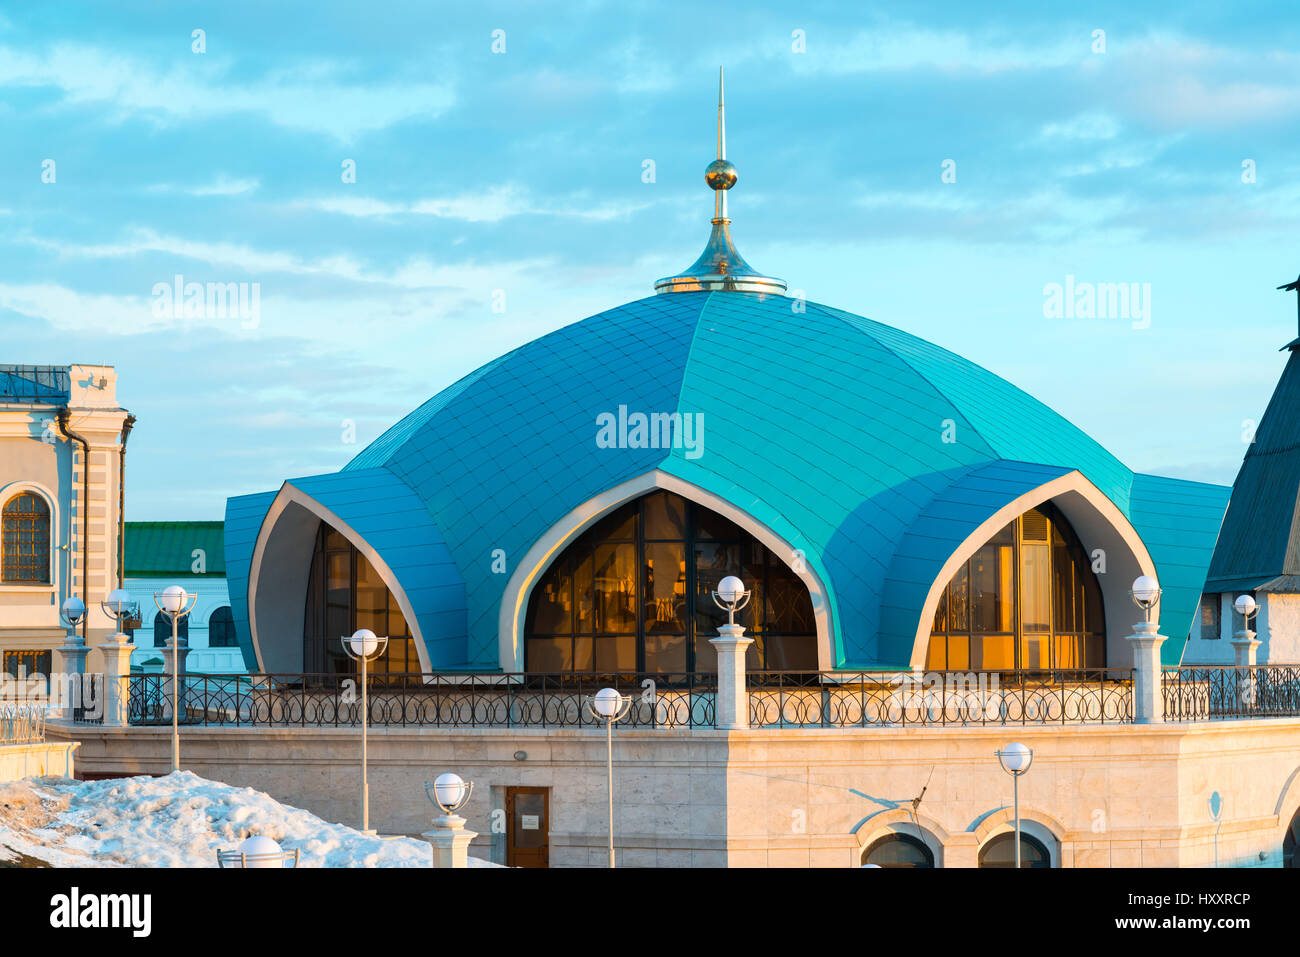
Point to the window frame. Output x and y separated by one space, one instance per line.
10 495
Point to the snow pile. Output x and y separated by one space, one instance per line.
180 820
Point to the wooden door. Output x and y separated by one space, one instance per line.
528 832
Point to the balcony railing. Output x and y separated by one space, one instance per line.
882 699
1206 692
22 724
775 699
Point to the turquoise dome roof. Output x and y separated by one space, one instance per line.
838 433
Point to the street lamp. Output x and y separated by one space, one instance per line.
1146 594
1247 609
72 612
1015 759
72 656
175 603
449 793
731 597
258 852
363 646
609 706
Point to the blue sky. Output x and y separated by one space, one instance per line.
522 171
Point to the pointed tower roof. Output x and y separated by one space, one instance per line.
1259 544
720 266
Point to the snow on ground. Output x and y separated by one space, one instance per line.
180 820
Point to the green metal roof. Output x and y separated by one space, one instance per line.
1260 538
171 548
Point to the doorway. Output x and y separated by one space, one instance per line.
528 827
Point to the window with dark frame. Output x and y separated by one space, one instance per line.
345 593
25 540
221 629
1027 600
633 594
1209 618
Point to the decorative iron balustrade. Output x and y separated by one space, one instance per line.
1206 692
944 698
776 699
22 724
425 701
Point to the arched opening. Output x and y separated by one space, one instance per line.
1000 851
221 628
25 541
162 629
633 594
1291 843
898 850
344 593
1025 600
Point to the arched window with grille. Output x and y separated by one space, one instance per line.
162 629
25 545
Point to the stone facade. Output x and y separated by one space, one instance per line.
1097 796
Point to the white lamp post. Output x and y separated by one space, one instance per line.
257 851
117 659
72 656
1247 609
1015 759
1146 594
175 603
449 793
609 706
731 644
362 647
1244 647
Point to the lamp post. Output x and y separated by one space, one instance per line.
731 646
363 646
1146 594
449 793
609 706
175 603
117 659
1245 646
257 851
1148 679
72 656
1015 759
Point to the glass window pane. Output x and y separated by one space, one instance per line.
1035 584
665 654
714 562
789 653
584 655
959 652
372 598
615 588
619 525
706 656
665 588
713 527
665 516
958 599
899 850
936 654
615 654
1069 649
993 652
551 609
584 609
549 654
992 589
1036 652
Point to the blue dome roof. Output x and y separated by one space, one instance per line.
838 433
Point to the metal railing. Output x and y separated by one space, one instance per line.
943 698
22 723
776 699
1205 692
427 701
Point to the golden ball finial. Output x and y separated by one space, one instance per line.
721 174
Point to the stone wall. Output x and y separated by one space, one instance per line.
1097 795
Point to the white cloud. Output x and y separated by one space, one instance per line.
222 185
313 97
1085 126
489 206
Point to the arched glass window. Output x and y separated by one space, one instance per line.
26 540
1001 852
898 850
1291 844
221 629
633 593
162 629
1026 600
344 593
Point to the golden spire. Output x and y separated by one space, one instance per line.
720 266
